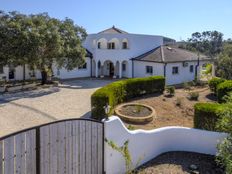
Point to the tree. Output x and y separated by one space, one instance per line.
224 62
207 42
40 42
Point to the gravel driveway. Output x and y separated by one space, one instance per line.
26 109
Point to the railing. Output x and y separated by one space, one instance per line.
65 146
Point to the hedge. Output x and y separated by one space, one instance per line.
123 90
224 89
214 82
206 115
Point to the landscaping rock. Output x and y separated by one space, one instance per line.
193 167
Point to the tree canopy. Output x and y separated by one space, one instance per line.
207 42
224 62
40 41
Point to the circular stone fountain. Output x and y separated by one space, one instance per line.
135 112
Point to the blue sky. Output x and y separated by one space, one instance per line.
177 19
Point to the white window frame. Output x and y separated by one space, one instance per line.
175 73
191 66
149 69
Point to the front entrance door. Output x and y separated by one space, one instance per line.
11 74
111 73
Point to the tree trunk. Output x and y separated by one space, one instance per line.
24 72
44 76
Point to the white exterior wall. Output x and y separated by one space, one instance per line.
140 69
76 73
137 45
146 145
184 74
19 73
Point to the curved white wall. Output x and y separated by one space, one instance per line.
146 145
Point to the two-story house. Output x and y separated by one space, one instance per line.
117 54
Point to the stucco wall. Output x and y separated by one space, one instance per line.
140 69
184 74
65 74
146 145
137 45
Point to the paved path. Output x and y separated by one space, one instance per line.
26 109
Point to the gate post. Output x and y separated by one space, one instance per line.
37 148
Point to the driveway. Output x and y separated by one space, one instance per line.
26 109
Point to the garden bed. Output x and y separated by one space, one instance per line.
172 111
180 162
134 112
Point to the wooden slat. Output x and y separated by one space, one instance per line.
45 150
82 147
1 156
69 148
94 147
61 148
53 148
99 148
75 129
9 155
30 152
20 161
88 147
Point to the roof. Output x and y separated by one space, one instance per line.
88 53
113 30
167 54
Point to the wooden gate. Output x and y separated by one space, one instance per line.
74 146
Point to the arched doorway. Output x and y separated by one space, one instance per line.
108 69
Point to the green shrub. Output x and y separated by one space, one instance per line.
193 95
120 91
206 115
187 86
224 155
170 90
179 101
214 82
223 89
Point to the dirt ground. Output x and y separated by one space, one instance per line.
167 111
179 163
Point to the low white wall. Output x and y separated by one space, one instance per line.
146 145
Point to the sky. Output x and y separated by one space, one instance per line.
176 19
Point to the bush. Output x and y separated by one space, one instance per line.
224 155
214 82
193 95
120 91
187 86
179 101
206 115
170 90
223 89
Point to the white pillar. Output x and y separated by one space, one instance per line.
96 70
120 70
102 71
115 68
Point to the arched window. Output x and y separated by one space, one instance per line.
124 44
102 43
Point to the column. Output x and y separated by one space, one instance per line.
115 68
96 70
120 70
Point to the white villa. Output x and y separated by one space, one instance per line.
118 54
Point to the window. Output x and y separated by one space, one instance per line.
149 69
111 45
191 68
123 67
175 70
1 69
124 45
58 72
83 66
99 45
